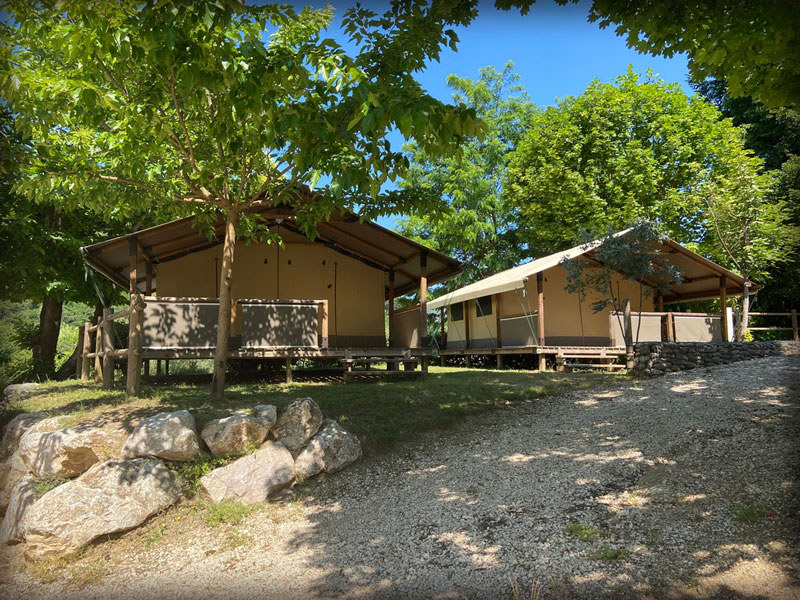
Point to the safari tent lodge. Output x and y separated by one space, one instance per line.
526 310
320 298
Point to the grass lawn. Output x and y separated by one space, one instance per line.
379 413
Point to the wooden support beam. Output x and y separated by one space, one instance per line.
540 318
83 362
466 326
670 327
108 348
98 345
391 308
794 326
723 300
134 379
148 290
324 321
443 335
498 316
423 301
660 302
288 369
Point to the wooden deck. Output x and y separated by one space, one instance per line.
607 354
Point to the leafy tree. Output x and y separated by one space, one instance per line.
752 45
752 229
41 257
183 103
632 256
478 227
774 136
620 152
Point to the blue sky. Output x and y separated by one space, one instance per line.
555 50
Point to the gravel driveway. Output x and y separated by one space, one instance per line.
678 487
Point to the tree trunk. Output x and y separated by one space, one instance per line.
744 319
224 318
44 348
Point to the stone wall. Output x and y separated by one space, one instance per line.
657 358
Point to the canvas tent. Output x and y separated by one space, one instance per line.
526 308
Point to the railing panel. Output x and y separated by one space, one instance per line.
697 328
649 331
405 328
280 325
177 324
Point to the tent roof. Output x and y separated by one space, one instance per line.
343 232
700 275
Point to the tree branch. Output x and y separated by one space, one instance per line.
180 118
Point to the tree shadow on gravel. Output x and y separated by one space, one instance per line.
680 487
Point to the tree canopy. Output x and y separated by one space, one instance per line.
219 107
478 226
635 148
751 45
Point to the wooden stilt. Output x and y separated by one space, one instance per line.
499 361
108 348
626 312
796 337
98 347
288 369
158 367
723 300
85 345
542 362
134 374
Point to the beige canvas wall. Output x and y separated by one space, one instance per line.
563 311
301 270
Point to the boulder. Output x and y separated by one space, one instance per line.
167 435
112 496
331 450
15 428
65 452
17 390
22 497
298 424
233 435
12 470
252 478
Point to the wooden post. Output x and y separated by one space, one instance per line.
423 301
98 345
443 337
134 381
659 302
723 300
540 319
158 367
288 369
323 320
794 325
391 309
85 345
148 290
108 348
626 312
166 367
469 360
497 321
670 327
465 306
499 361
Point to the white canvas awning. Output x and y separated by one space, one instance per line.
701 277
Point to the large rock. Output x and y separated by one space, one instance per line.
64 453
18 390
15 428
110 497
12 470
331 450
171 436
22 497
234 434
298 424
252 478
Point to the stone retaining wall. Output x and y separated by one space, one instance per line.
657 358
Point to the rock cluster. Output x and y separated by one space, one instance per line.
656 358
104 495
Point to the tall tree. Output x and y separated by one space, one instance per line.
752 45
620 152
184 102
774 136
478 226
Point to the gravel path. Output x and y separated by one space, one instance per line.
684 486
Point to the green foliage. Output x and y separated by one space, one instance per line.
44 486
749 514
190 473
583 532
621 152
610 554
753 45
478 227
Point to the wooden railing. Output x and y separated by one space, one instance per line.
791 314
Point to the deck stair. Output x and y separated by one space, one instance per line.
586 354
